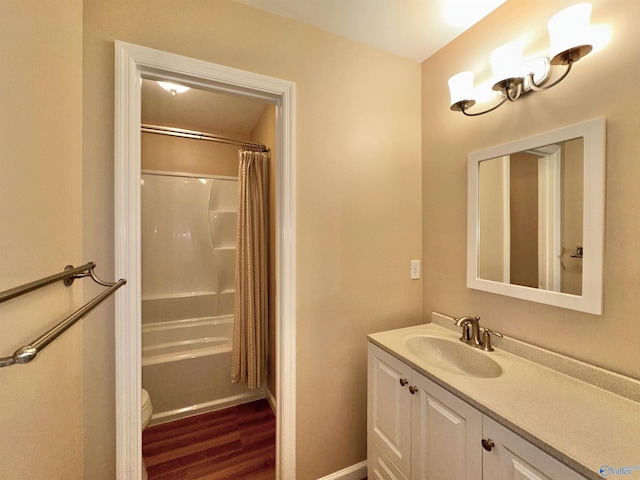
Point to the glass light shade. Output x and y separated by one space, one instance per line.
506 62
570 32
461 87
173 87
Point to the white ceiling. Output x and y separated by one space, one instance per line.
414 29
199 110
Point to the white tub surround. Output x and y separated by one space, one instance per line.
186 362
192 386
188 244
558 404
188 228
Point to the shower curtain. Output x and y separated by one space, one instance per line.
249 354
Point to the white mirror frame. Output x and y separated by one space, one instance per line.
593 133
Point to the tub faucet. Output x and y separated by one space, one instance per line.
470 330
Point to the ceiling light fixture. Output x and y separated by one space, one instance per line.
570 40
173 88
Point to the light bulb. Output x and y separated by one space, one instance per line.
173 87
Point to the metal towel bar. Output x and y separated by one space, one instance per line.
28 352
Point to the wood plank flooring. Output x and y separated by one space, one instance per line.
236 443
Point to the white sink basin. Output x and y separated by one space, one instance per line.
454 356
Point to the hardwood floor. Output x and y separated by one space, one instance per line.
236 443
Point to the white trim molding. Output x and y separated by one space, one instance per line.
354 472
133 63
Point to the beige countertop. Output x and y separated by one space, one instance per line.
582 425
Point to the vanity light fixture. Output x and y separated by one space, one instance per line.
173 88
570 40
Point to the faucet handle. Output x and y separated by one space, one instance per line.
486 339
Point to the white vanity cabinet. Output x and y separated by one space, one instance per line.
513 458
444 434
388 416
417 430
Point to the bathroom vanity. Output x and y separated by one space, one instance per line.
441 409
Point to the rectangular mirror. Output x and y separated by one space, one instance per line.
536 218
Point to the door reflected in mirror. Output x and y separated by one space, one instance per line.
530 213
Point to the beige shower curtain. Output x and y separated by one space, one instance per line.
249 355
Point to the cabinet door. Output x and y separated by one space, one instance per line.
513 458
379 467
389 407
446 435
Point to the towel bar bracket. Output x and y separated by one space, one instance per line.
68 276
69 280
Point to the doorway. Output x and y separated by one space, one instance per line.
133 63
189 216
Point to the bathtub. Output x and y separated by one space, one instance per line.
176 340
186 366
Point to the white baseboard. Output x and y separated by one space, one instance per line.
272 401
171 415
354 472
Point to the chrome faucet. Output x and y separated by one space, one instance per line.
470 330
471 333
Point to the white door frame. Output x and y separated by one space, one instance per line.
134 62
506 219
550 220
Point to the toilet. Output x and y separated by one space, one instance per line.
147 410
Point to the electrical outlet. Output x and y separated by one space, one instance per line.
415 269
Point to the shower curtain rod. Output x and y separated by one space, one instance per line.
181 132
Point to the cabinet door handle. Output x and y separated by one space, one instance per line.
488 444
413 390
403 381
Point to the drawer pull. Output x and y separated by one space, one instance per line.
413 390
403 381
488 444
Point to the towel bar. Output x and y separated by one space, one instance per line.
28 352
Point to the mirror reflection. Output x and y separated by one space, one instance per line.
530 209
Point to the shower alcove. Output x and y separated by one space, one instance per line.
189 196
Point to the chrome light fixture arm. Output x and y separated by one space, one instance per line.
465 105
539 88
511 89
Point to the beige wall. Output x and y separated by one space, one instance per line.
524 219
591 90
357 191
491 206
175 154
40 218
